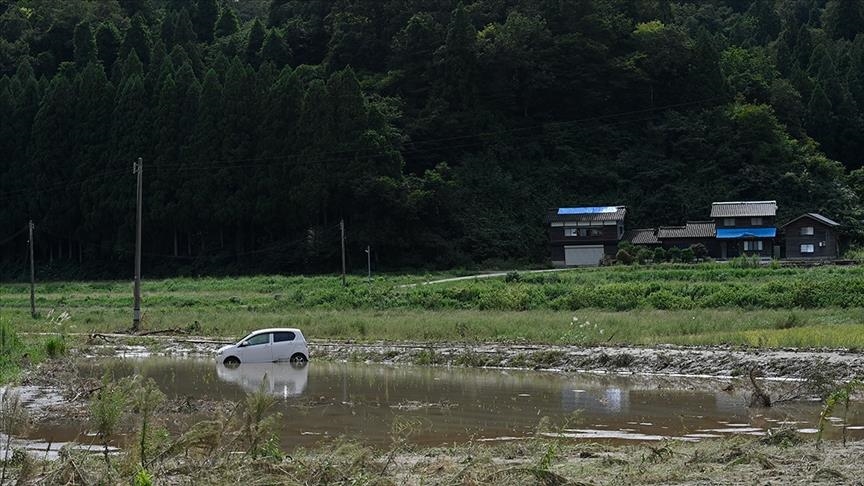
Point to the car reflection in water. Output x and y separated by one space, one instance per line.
282 379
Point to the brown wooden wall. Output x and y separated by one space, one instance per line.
821 232
767 222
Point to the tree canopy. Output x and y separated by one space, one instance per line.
440 131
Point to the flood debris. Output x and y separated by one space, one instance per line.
758 398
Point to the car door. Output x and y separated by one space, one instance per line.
258 349
284 345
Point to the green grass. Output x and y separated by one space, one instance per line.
15 351
677 304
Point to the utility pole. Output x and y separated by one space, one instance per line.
342 230
136 310
32 274
368 263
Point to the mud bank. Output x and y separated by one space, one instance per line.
666 360
714 361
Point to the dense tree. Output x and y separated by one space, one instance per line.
227 23
85 44
137 39
206 14
107 44
439 131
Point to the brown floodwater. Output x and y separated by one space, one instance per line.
439 406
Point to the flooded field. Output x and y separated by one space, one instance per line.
455 405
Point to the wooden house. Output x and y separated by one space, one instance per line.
745 228
583 236
692 233
642 237
811 235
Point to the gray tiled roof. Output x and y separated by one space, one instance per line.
817 217
693 229
617 215
733 209
644 236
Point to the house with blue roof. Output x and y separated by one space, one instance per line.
746 228
585 235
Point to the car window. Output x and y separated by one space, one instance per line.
279 337
258 339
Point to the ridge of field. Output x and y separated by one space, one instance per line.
677 304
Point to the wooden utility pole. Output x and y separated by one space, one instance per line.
369 263
136 310
342 230
32 274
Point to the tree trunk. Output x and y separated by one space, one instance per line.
175 242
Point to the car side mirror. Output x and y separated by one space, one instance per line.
243 344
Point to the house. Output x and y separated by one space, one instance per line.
745 228
692 233
642 236
583 236
811 235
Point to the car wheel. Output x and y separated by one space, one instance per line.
299 359
231 362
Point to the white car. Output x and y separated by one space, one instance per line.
266 346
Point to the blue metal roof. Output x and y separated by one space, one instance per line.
733 233
588 210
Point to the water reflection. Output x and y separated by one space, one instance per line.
280 379
362 401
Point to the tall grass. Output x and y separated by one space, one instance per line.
672 287
705 304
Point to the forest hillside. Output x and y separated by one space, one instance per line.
440 131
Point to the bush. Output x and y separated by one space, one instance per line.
513 276
674 254
699 251
659 254
687 255
624 257
55 346
644 255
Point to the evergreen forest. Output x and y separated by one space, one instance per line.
440 131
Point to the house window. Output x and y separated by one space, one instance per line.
728 221
572 232
595 232
756 221
806 248
806 231
753 245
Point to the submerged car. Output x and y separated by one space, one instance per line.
267 346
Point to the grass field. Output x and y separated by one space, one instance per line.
705 304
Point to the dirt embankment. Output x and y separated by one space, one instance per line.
717 361
707 361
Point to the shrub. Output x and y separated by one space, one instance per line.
55 346
659 254
687 255
674 254
644 255
699 251
513 276
624 257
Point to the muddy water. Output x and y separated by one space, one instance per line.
455 405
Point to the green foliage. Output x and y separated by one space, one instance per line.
842 396
106 410
687 255
55 347
415 126
143 478
512 277
624 256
